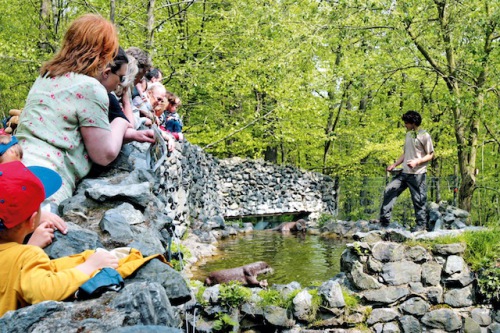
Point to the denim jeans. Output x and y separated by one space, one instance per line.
418 191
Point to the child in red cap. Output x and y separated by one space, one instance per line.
28 274
10 151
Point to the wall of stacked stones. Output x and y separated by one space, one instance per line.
196 185
413 289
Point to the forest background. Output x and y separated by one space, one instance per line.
317 84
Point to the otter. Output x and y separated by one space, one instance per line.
299 225
246 274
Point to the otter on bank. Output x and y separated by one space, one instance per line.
299 225
246 274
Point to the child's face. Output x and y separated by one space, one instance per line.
10 155
171 107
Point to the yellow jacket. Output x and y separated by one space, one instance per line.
28 276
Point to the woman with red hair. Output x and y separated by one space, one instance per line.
64 125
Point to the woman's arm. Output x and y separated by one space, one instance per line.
102 145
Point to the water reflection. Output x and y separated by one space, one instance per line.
294 257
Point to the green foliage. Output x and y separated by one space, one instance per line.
273 297
316 84
489 284
200 289
360 251
351 300
224 323
324 219
233 294
177 264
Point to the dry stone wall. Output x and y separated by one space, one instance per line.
202 187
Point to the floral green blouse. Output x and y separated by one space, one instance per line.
49 126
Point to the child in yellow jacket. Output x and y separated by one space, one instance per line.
28 274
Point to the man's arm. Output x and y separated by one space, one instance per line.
418 161
398 162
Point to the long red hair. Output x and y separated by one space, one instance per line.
89 45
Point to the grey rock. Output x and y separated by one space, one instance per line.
434 294
494 328
385 251
417 254
410 324
147 304
175 285
382 315
332 294
386 295
116 226
374 265
454 264
415 306
278 316
391 328
431 273
25 319
449 249
302 305
139 194
459 297
75 241
482 316
146 329
361 280
444 319
470 326
401 272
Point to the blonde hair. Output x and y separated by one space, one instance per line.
17 149
89 45
132 71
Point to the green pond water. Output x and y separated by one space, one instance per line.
307 259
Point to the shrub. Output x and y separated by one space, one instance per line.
233 294
224 323
273 297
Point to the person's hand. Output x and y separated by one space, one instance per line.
390 167
56 222
43 235
98 260
412 163
145 136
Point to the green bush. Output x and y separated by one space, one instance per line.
489 284
233 294
273 297
224 323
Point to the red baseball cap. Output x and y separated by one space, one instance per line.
22 190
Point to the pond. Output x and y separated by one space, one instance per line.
307 259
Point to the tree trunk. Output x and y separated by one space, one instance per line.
45 19
150 25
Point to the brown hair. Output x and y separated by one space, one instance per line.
6 138
89 45
173 99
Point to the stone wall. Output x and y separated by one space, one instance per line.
199 186
401 288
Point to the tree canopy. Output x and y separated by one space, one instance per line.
317 84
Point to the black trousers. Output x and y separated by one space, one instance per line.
418 190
